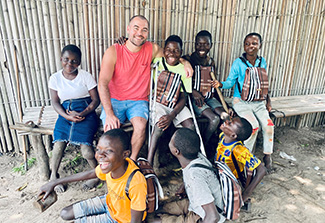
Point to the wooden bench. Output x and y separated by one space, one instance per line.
297 106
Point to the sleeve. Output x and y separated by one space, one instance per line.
138 192
246 158
53 82
100 174
89 81
233 75
199 188
187 81
263 63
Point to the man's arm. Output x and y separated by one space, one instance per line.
157 52
48 188
136 216
211 213
105 76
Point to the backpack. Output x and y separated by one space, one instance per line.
230 189
154 188
201 82
168 87
256 83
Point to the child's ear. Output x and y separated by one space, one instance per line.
126 153
233 135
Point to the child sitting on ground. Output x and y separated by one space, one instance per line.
256 112
163 115
74 97
244 165
204 102
114 167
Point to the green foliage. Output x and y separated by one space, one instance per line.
21 168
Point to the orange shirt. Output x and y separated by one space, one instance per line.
131 75
243 156
118 203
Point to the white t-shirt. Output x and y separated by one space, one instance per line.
202 187
72 89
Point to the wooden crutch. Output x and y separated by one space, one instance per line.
224 105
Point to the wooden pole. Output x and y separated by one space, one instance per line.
224 105
19 106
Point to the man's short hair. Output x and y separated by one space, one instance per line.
121 136
139 16
203 33
187 142
245 130
254 34
174 38
72 48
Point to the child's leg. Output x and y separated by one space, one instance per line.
57 154
245 109
214 121
91 210
89 154
268 134
157 132
188 123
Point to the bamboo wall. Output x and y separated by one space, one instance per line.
293 45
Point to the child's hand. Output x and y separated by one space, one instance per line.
164 122
181 193
224 116
199 100
215 84
74 116
121 40
231 112
47 189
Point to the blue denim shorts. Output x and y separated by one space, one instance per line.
208 103
92 210
128 109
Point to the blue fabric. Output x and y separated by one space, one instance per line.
212 103
76 133
237 71
127 109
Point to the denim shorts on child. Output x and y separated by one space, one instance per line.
127 109
93 210
80 132
208 103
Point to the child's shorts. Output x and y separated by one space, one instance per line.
208 103
128 109
162 110
92 210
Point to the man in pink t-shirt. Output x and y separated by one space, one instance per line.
124 78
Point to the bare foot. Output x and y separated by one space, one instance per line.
90 184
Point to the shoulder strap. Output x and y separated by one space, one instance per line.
127 186
164 63
241 178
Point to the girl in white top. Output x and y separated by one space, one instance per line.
74 97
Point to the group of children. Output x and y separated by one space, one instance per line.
112 154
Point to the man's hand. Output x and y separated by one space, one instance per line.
111 122
164 121
199 100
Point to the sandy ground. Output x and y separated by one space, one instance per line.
295 192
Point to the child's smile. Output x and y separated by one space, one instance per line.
252 45
70 62
172 53
202 46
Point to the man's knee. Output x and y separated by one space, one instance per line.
139 124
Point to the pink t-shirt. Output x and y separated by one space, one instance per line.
131 75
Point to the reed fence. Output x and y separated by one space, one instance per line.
292 31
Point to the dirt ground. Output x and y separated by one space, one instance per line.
295 192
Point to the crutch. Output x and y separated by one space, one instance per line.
152 99
196 125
